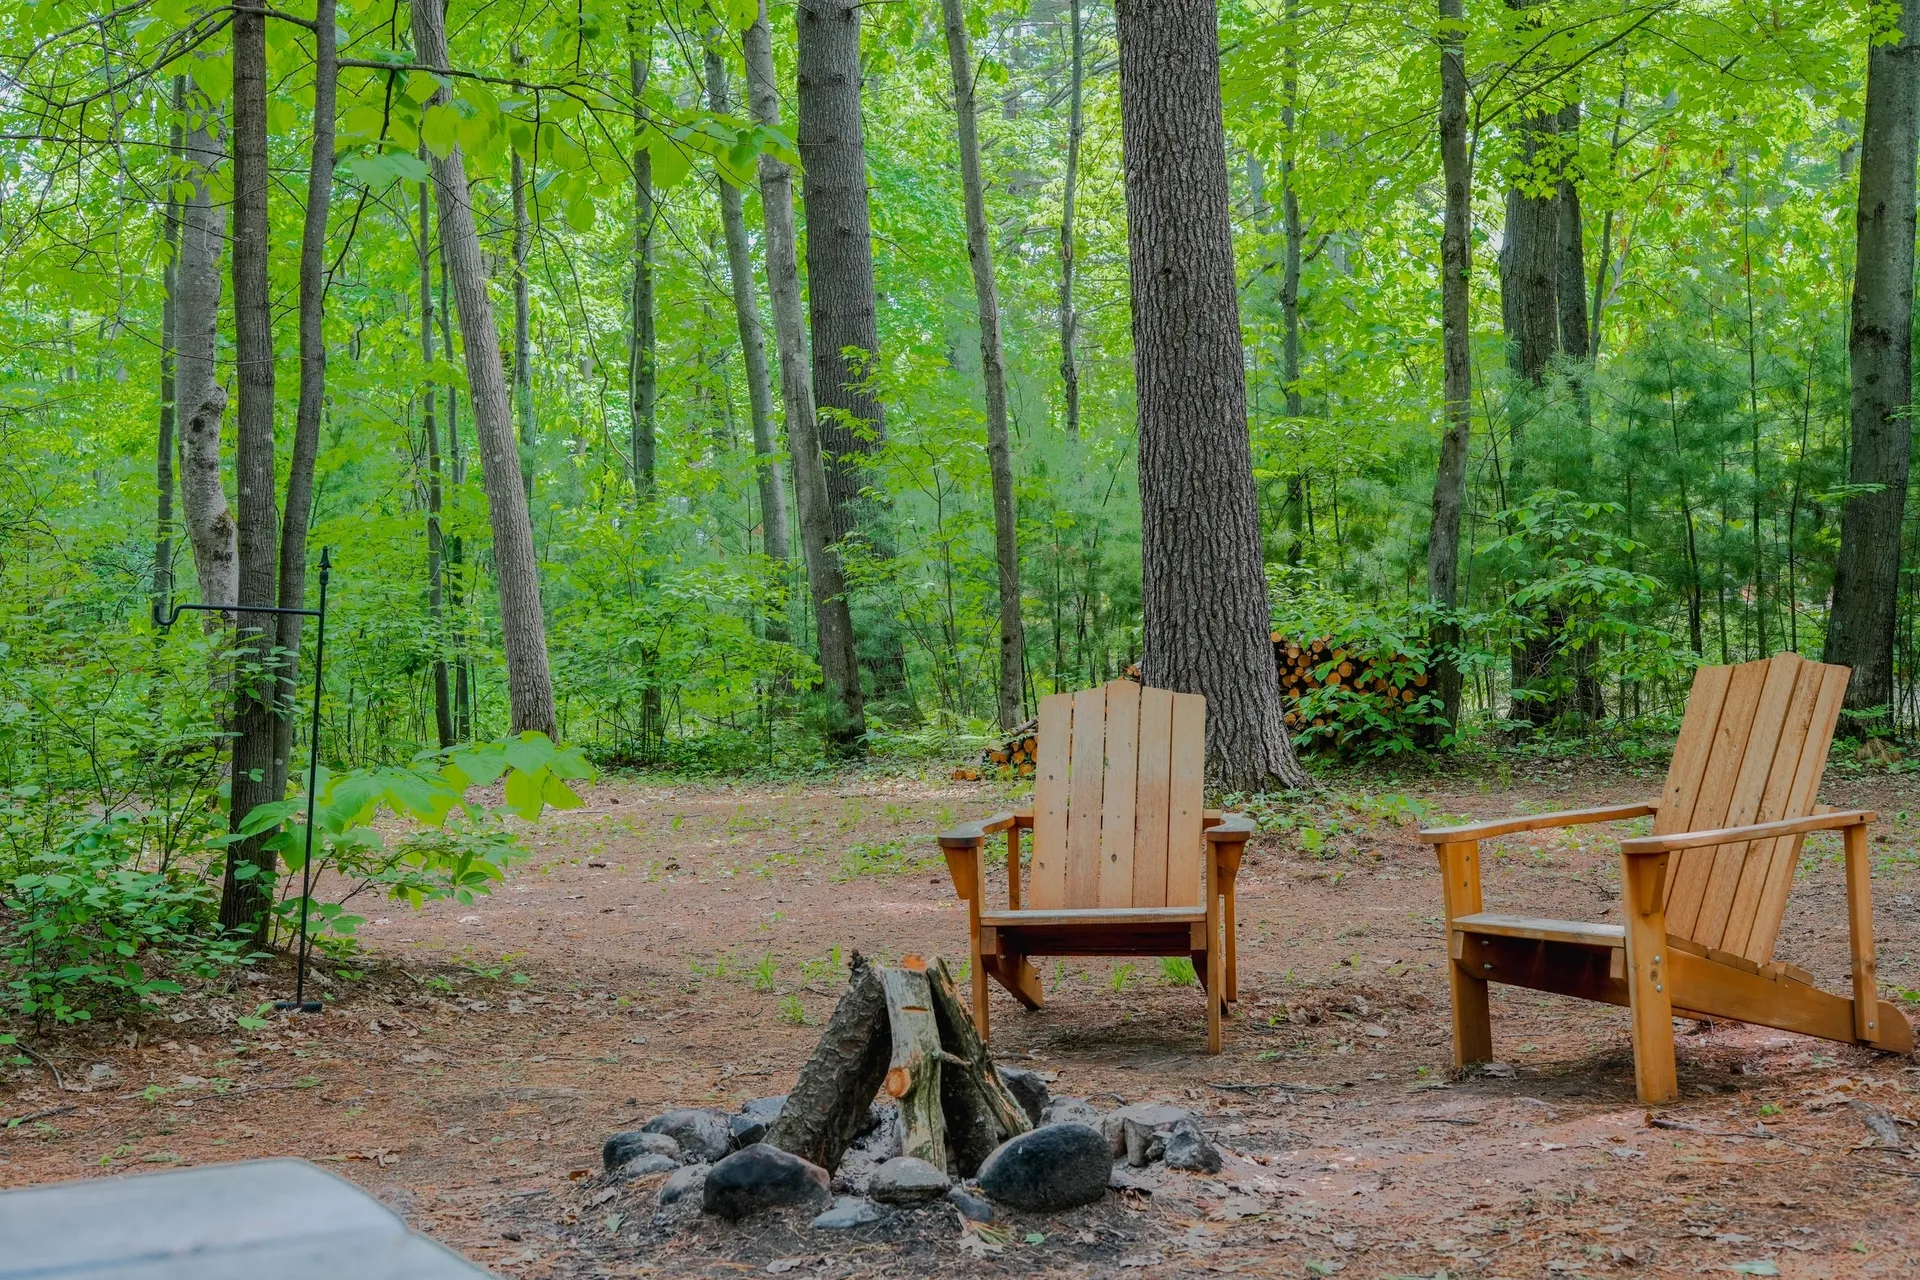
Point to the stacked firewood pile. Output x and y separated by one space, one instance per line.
1010 756
1315 673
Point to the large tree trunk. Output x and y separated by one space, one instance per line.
1456 267
1880 346
202 400
523 627
313 387
162 588
753 348
247 894
827 583
1204 592
840 289
1076 126
642 379
436 542
993 369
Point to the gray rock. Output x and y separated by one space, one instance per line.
702 1135
848 1211
1139 1131
1056 1166
908 1180
1028 1089
971 1207
645 1165
631 1144
1186 1147
751 1123
1070 1110
761 1177
686 1182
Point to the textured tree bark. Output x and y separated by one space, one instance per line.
522 624
162 588
981 1112
840 292
1866 579
1076 126
837 1085
436 542
834 623
753 350
246 894
1456 273
313 388
993 369
202 401
833 160
1204 596
642 378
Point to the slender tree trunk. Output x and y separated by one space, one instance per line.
202 400
1574 336
1204 592
840 286
522 624
313 388
753 349
162 590
1013 640
825 580
1076 126
1866 577
247 894
452 563
522 321
1295 233
436 542
642 382
1456 271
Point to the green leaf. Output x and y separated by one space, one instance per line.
440 129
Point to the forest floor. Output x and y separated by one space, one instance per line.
660 943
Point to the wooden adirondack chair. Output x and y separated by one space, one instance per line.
1702 896
1125 860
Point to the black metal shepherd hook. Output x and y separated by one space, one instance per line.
164 621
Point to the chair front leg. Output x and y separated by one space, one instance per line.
1643 883
1866 994
1472 1020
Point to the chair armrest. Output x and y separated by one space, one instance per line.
1645 845
1233 828
969 834
1023 818
1536 822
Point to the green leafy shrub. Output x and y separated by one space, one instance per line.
86 928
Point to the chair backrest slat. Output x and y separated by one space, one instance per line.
1122 769
1752 748
1118 799
1151 800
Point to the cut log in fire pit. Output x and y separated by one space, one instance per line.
903 1028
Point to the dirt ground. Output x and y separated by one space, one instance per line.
664 941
